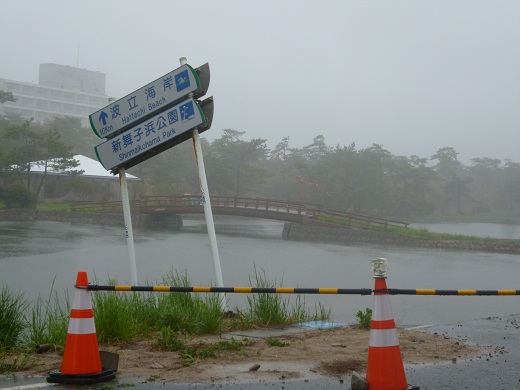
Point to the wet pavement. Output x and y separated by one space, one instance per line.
498 369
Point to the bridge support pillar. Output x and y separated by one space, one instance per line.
161 220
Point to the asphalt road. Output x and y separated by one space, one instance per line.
500 369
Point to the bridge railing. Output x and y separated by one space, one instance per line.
96 207
277 205
316 211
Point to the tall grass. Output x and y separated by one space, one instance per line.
126 316
12 322
48 321
192 313
123 316
273 309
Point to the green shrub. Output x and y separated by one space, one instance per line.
364 318
16 196
169 339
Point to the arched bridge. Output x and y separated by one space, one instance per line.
282 210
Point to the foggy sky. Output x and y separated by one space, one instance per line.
412 76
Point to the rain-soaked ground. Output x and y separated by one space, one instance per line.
496 370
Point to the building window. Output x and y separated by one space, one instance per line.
27 101
56 94
12 87
40 103
69 97
42 92
55 106
28 90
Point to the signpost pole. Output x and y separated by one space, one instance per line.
206 202
128 225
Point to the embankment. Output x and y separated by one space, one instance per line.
345 236
171 221
291 231
111 219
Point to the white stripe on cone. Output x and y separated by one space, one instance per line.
81 326
382 308
383 338
82 300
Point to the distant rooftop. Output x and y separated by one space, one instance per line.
92 168
72 79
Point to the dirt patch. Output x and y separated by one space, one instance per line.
332 352
343 367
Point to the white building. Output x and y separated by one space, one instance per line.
102 185
61 90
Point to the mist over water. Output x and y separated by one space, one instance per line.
34 256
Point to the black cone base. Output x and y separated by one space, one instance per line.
80 379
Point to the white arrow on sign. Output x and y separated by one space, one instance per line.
143 103
150 134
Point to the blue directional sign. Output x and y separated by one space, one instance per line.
149 100
155 134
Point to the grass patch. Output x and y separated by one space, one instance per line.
421 232
272 342
274 309
443 218
12 322
171 318
193 313
12 362
49 206
424 233
124 316
190 356
48 321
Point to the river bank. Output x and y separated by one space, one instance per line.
291 231
345 236
334 352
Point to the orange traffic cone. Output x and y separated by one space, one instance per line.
385 366
81 360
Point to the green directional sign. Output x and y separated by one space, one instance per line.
147 101
156 134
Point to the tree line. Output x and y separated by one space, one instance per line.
365 180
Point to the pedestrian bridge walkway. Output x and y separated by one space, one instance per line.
282 210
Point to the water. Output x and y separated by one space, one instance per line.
34 256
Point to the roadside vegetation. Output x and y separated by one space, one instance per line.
169 318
